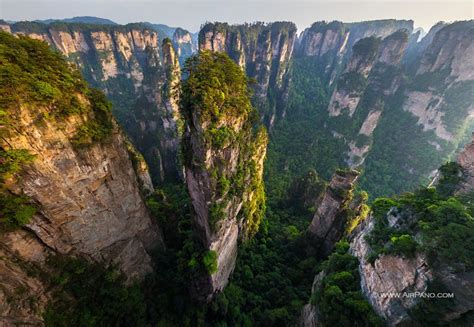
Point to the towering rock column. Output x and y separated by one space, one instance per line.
329 221
264 52
223 158
466 161
136 70
67 182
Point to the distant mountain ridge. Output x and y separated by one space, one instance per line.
79 19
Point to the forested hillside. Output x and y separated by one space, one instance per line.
255 178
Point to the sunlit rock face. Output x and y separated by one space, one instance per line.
389 275
137 70
223 159
90 200
444 76
466 161
329 221
264 52
89 197
422 91
184 43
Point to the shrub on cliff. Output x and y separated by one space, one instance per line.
339 297
215 104
445 224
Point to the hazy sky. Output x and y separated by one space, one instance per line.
191 14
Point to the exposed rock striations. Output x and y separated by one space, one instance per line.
331 217
330 44
264 52
67 182
136 70
223 157
419 91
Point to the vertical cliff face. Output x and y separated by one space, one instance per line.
411 256
382 82
136 71
369 77
423 266
331 217
67 182
370 61
264 52
351 84
378 28
322 38
330 44
443 77
390 274
417 47
223 157
466 161
436 108
185 44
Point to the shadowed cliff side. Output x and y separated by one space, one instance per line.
68 184
136 69
223 150
412 258
264 52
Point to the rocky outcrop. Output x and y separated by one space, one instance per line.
357 77
330 44
444 75
394 284
90 199
390 275
264 52
329 222
185 44
223 163
382 83
84 189
429 93
378 28
417 47
325 43
132 66
351 84
466 161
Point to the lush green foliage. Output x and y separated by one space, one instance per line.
367 47
216 88
451 176
274 271
444 223
32 74
216 96
98 128
352 82
15 210
304 190
210 261
300 142
39 81
91 295
339 297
